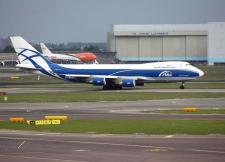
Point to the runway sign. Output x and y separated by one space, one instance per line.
15 120
56 117
43 122
190 109
14 77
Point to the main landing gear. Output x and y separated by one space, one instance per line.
112 87
182 86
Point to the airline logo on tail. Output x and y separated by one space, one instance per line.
37 60
29 57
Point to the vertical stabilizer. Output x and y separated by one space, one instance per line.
19 43
45 50
28 54
30 58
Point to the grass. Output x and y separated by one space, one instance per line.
199 111
128 126
213 73
103 96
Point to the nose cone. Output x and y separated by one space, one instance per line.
201 73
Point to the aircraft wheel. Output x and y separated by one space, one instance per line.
182 87
105 87
112 87
119 87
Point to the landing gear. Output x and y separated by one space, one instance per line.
182 86
112 87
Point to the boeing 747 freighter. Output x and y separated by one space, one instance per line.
110 76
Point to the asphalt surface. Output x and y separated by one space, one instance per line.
38 146
17 74
112 109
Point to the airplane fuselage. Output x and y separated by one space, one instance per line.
149 72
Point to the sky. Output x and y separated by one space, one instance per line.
62 21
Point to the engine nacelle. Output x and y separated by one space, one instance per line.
128 83
98 81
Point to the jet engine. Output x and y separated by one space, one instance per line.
98 81
128 83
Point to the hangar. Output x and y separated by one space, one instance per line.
186 42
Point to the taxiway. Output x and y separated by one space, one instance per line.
112 109
38 146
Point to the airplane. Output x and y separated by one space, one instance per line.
85 57
110 76
47 53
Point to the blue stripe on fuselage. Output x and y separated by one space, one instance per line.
123 72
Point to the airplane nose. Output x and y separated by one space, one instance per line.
201 73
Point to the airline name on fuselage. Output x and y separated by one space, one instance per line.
166 74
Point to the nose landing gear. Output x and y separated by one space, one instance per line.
182 86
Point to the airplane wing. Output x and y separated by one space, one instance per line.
87 78
73 76
115 79
144 78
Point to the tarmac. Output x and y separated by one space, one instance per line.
29 146
113 109
39 146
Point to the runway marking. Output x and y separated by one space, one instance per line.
18 132
94 143
81 150
209 151
20 153
39 158
159 150
21 144
169 136
101 135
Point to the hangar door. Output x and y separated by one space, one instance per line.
127 48
174 48
196 48
159 48
150 48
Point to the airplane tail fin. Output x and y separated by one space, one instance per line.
29 56
45 50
